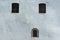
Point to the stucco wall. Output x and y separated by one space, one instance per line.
18 26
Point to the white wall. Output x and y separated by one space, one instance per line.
18 26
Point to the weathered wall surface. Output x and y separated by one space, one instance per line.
18 26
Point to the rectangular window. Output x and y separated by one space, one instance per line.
15 8
42 8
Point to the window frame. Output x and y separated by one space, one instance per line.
42 8
37 32
16 7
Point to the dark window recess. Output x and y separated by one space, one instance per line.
42 8
35 32
15 8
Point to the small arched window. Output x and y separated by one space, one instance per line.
35 32
15 7
42 8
